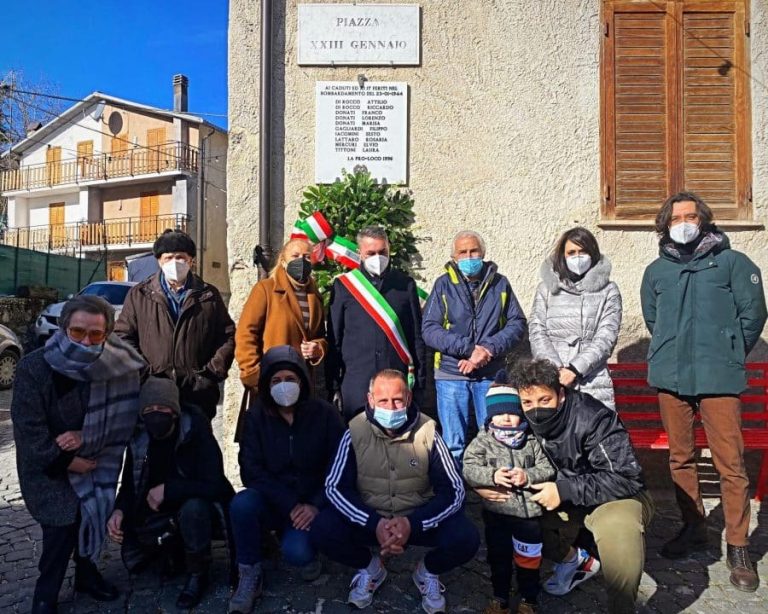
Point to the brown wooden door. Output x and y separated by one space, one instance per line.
56 225
155 142
53 165
85 159
150 209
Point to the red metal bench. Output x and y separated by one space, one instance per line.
637 405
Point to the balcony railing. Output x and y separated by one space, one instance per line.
75 236
172 156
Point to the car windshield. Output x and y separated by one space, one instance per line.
113 294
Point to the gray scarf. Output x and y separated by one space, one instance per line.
111 415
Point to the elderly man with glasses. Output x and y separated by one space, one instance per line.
75 405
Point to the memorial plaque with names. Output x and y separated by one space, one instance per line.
361 126
359 34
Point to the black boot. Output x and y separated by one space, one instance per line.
743 574
193 591
88 580
43 607
197 580
692 538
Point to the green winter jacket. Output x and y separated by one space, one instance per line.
485 455
704 316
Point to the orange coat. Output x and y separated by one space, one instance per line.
272 316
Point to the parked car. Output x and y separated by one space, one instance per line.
10 354
113 292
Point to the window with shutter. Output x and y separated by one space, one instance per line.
675 106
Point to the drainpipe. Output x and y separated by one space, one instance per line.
200 229
262 253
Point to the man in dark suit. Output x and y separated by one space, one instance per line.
363 336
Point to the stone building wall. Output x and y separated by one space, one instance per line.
504 138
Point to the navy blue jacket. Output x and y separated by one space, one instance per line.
357 347
287 463
453 325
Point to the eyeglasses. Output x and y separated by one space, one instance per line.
95 336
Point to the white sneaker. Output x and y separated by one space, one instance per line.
364 585
567 576
432 600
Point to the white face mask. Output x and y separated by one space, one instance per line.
285 394
376 265
175 270
578 265
684 232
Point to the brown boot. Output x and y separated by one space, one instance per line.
692 538
525 607
743 574
496 607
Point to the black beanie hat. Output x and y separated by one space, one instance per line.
174 241
159 391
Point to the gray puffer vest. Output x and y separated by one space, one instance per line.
578 324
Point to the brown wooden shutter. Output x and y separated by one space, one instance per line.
637 103
675 106
53 165
85 158
715 120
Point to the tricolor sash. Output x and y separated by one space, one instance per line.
376 306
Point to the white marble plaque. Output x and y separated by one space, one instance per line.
365 126
359 34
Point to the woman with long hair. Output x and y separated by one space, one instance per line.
576 314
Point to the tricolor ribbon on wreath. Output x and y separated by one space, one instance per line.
317 230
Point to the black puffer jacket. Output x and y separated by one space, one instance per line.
287 463
591 450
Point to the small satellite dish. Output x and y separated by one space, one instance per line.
115 122
98 110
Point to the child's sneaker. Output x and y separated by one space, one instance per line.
570 574
526 607
365 584
432 600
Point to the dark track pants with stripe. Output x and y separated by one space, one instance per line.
453 542
514 544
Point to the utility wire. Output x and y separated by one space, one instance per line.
70 99
101 132
96 130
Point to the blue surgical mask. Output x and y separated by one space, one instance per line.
94 348
391 419
470 266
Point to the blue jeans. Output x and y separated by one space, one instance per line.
453 400
250 515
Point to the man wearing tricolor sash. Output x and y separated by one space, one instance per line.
374 324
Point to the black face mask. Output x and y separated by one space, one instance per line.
539 415
299 270
159 424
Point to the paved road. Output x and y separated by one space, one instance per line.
697 584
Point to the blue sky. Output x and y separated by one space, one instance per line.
128 48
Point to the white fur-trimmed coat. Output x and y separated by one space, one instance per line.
577 323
